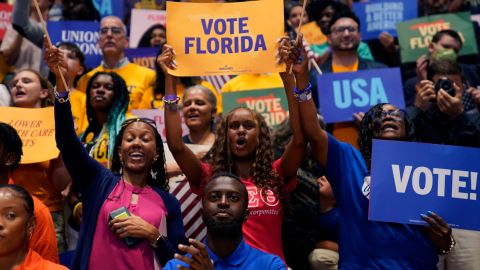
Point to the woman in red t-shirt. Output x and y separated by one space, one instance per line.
242 146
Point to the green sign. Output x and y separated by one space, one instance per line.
415 35
271 103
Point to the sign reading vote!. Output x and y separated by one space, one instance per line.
224 38
343 94
409 179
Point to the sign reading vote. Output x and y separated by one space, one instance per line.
224 38
414 36
84 34
270 103
342 94
36 128
159 117
409 179
377 16
144 57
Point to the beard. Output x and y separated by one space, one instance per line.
226 229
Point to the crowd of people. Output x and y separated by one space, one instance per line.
292 196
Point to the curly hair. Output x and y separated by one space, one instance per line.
10 142
261 170
370 123
116 116
158 177
145 39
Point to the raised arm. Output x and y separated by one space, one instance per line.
79 164
186 159
293 155
22 23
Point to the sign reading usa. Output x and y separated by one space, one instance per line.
409 179
343 94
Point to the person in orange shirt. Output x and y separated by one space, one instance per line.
17 223
43 239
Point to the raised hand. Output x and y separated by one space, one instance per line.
199 260
55 59
166 60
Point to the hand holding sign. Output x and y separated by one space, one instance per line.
438 230
166 59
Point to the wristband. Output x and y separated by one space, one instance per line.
156 243
305 96
75 208
300 91
170 97
169 100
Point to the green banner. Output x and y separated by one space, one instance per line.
415 35
271 103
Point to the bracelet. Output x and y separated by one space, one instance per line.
303 97
171 97
171 106
61 97
75 208
157 241
301 91
452 244
168 100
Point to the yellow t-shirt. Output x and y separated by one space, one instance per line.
139 80
78 101
245 82
348 131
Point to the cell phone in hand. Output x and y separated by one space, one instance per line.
123 212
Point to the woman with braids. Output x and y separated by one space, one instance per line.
128 211
243 146
365 244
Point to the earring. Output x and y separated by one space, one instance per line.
153 174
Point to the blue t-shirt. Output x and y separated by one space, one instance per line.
365 244
244 257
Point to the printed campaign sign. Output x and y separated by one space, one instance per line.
409 179
224 38
109 7
158 116
84 34
142 20
36 128
377 16
342 94
271 103
415 35
313 34
144 57
5 18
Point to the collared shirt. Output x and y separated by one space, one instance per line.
121 63
244 257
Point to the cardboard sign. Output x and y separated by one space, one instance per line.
414 36
377 16
144 57
342 94
158 116
409 179
5 18
224 38
142 20
84 34
313 34
271 103
36 128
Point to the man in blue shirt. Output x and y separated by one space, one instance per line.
224 209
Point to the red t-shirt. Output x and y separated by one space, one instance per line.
263 228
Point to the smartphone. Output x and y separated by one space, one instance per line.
123 212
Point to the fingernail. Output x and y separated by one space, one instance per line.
423 216
430 213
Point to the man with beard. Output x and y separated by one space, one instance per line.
224 209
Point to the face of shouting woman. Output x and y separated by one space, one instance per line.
27 90
242 133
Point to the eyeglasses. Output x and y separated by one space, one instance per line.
143 120
341 29
116 31
396 114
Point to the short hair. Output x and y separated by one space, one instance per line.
10 142
212 99
443 67
124 27
447 32
21 193
78 54
231 176
341 15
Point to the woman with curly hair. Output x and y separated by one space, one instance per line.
243 146
155 36
128 211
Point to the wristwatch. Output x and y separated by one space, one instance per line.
160 239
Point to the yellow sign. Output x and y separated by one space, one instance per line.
36 127
312 34
225 38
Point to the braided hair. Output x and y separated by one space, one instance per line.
158 177
116 115
261 170
370 124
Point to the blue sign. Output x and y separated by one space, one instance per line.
378 16
144 57
110 7
409 179
83 33
342 94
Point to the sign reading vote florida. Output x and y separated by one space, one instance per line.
84 34
342 94
224 38
144 57
409 179
415 35
377 16
270 103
